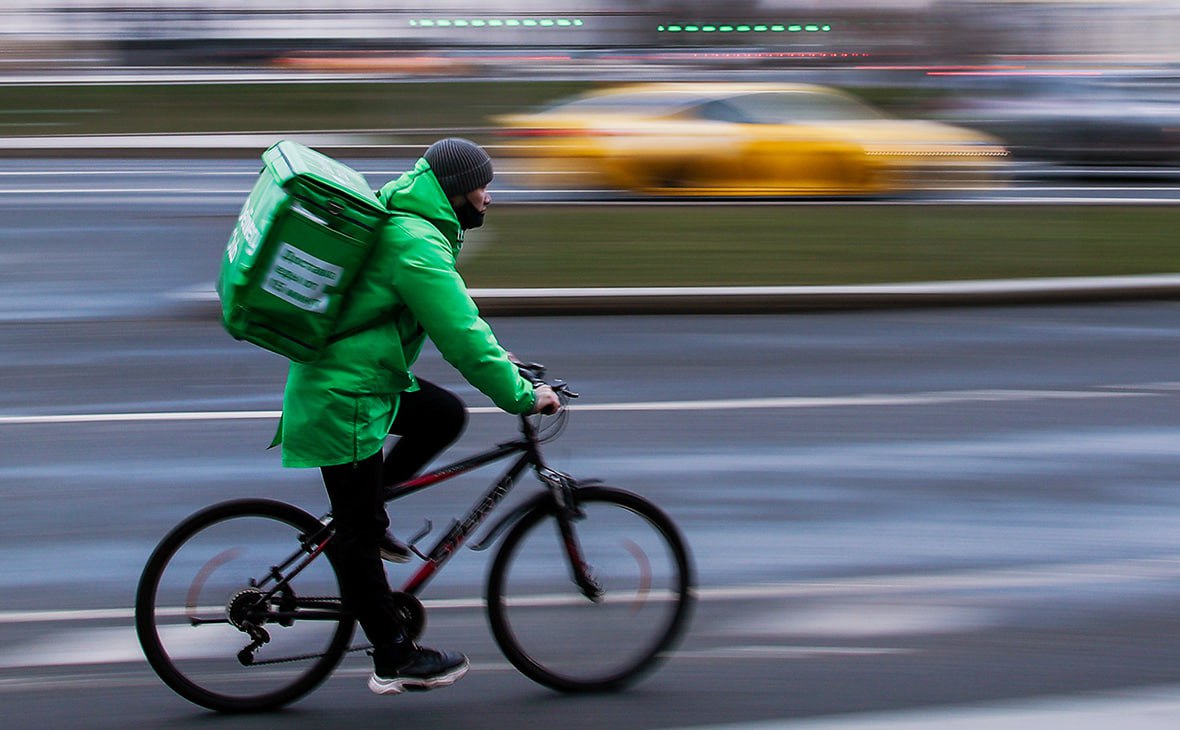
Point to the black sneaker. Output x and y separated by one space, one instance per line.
394 550
421 669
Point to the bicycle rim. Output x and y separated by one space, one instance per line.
200 603
550 631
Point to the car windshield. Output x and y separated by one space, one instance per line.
636 103
786 107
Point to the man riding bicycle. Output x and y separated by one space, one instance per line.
338 410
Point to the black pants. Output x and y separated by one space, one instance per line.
428 421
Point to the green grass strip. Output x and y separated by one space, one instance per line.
798 244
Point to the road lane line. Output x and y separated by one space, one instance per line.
912 399
117 417
800 651
126 173
216 173
788 402
125 191
1154 708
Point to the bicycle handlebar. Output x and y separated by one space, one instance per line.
534 372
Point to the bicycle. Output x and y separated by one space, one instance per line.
238 607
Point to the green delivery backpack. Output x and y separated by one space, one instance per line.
301 238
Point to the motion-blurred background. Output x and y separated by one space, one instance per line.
898 510
954 100
1068 83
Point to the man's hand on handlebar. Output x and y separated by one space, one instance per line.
547 403
546 400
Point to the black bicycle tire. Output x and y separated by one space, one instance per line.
534 670
158 657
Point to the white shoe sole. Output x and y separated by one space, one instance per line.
397 685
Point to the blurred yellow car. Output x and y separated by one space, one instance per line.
741 139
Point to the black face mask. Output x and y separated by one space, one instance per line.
468 216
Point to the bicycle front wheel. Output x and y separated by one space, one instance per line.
238 608
557 635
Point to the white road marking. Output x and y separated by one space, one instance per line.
1163 568
863 401
117 417
763 651
860 619
125 191
125 173
210 173
1143 709
243 191
1040 195
789 402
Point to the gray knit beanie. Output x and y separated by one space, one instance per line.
460 165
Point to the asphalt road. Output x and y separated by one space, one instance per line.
889 511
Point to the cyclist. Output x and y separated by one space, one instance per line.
338 411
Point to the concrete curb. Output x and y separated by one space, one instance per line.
738 300
780 299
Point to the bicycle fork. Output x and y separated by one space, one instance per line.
562 491
563 488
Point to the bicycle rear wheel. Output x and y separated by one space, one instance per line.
557 636
237 609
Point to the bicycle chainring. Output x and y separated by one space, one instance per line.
246 610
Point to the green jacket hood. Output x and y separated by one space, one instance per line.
419 193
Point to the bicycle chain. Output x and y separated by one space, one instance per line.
288 660
304 657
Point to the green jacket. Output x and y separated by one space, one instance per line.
339 409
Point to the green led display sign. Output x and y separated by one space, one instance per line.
497 23
745 28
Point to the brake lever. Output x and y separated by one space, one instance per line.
559 386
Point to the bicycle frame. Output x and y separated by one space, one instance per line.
527 447
560 486
460 530
224 548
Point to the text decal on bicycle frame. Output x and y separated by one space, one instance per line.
460 531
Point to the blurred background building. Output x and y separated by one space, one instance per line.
153 32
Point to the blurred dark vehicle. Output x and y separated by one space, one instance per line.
1078 121
741 139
